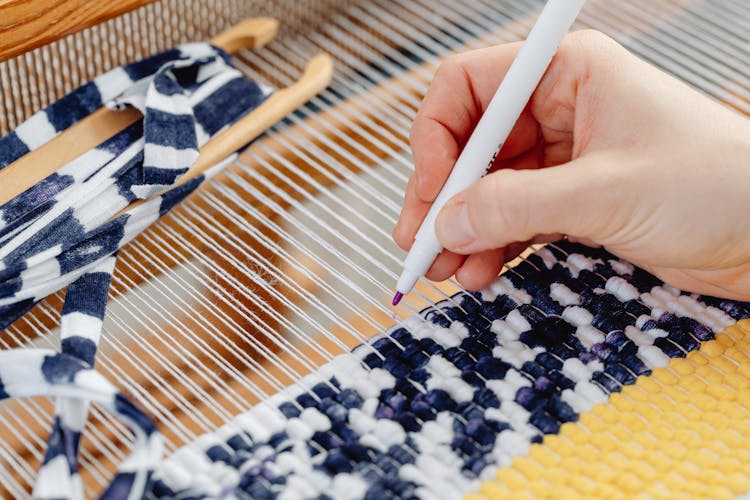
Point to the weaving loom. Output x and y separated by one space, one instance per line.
252 324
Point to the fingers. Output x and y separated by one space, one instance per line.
579 78
509 206
445 266
480 269
460 91
520 153
412 213
435 151
533 158
464 84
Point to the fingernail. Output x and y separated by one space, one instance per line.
453 227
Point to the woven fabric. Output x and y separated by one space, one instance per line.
683 431
66 230
443 401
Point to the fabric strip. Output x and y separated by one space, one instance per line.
66 231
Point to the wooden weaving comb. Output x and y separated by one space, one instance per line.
105 123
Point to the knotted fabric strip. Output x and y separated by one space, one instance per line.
66 230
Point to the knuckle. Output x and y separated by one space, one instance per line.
419 128
449 65
448 70
588 37
591 42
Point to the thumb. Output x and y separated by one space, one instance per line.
579 198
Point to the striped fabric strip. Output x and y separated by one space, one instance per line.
82 314
66 230
42 372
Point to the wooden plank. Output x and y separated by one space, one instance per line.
28 24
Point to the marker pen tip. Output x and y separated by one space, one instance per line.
397 298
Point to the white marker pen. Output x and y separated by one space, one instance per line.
492 130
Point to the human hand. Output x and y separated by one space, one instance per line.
609 151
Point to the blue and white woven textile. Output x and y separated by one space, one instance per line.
436 405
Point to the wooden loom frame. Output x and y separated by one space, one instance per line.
28 24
